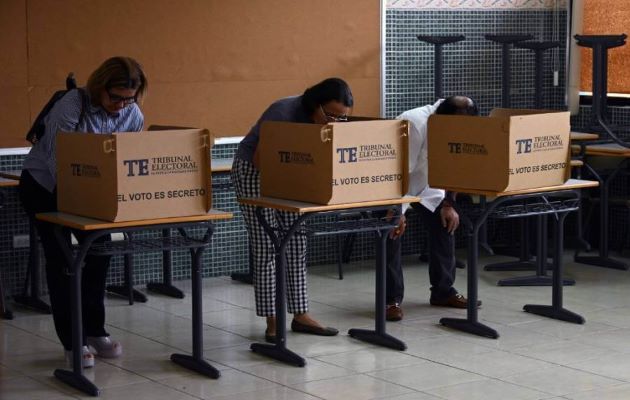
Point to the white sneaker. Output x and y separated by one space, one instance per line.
87 360
105 347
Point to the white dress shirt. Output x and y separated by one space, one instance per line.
418 159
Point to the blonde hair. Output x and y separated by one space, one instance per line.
117 72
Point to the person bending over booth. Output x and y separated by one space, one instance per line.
436 208
328 101
107 104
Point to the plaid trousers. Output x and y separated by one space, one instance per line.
246 180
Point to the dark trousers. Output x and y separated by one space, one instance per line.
441 259
37 199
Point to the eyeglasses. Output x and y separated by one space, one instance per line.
333 118
114 98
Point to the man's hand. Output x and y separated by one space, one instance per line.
450 218
398 230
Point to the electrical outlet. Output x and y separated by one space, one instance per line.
20 241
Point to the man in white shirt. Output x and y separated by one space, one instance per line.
437 211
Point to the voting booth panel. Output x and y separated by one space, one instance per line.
134 175
509 150
334 163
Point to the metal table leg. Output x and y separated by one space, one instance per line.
75 378
556 310
5 312
483 231
541 278
127 290
33 300
196 362
471 323
166 287
379 336
279 351
525 262
603 259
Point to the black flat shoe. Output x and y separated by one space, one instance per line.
313 330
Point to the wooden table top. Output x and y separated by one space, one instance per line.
13 174
583 136
604 150
91 224
8 182
302 207
568 185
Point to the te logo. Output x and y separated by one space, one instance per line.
350 152
524 146
285 156
137 167
76 169
454 147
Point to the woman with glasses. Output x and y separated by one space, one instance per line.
107 104
328 101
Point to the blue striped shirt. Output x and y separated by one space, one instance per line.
41 161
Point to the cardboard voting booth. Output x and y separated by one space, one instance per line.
132 176
509 150
334 163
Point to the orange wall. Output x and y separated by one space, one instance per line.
210 63
607 17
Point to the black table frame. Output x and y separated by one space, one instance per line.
471 323
5 311
281 236
75 257
603 258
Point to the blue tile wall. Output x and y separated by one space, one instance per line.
471 67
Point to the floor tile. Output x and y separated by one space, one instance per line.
561 381
351 388
563 352
288 374
7 373
23 388
142 391
425 376
276 393
620 392
489 389
534 356
495 364
615 365
369 360
231 382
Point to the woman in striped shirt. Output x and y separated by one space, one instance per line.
108 103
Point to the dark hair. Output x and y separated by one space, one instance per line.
457 105
117 72
331 89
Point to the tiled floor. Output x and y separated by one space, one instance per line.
535 358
